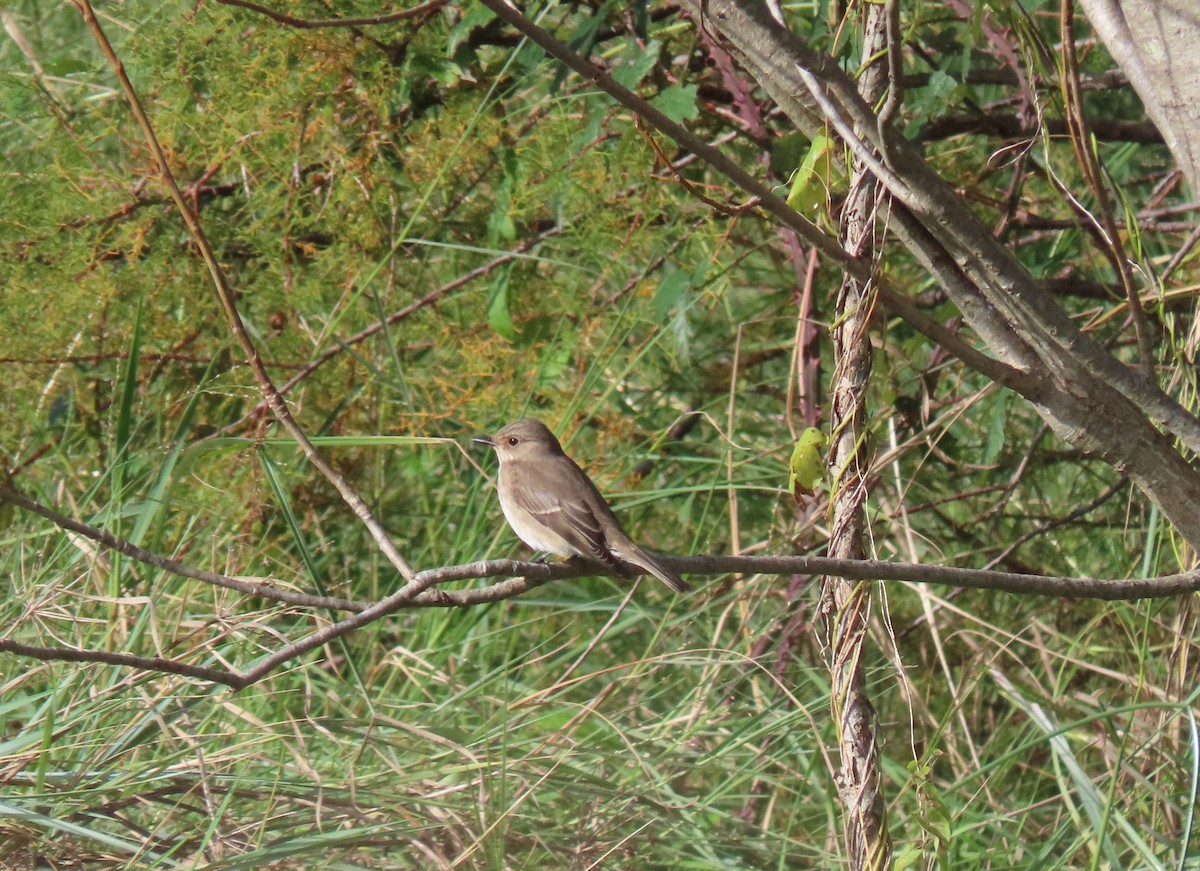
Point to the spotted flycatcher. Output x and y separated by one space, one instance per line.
553 506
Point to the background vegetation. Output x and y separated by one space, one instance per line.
379 177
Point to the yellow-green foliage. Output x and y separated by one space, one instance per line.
342 175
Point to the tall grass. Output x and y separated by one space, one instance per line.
589 724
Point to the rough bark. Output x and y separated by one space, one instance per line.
1090 399
846 605
1154 42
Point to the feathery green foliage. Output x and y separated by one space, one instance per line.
346 174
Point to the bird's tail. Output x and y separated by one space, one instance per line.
635 556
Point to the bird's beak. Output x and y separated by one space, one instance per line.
484 440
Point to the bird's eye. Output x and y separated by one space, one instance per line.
512 440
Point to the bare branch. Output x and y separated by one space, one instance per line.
523 576
417 593
314 24
142 555
1009 126
146 663
528 575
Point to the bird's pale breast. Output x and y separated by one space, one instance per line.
529 528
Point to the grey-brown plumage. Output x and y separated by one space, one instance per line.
553 506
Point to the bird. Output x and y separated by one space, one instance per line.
553 506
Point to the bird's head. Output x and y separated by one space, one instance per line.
523 439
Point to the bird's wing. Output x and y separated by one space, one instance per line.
573 519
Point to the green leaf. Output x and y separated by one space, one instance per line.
553 364
65 65
582 40
817 175
499 316
941 86
529 57
500 224
807 465
675 283
476 15
678 102
908 857
129 384
633 70
995 433
536 330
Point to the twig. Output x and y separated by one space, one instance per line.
146 663
142 555
314 24
1080 135
528 575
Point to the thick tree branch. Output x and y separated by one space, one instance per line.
806 82
1090 398
893 299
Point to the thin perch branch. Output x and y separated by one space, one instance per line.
524 576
